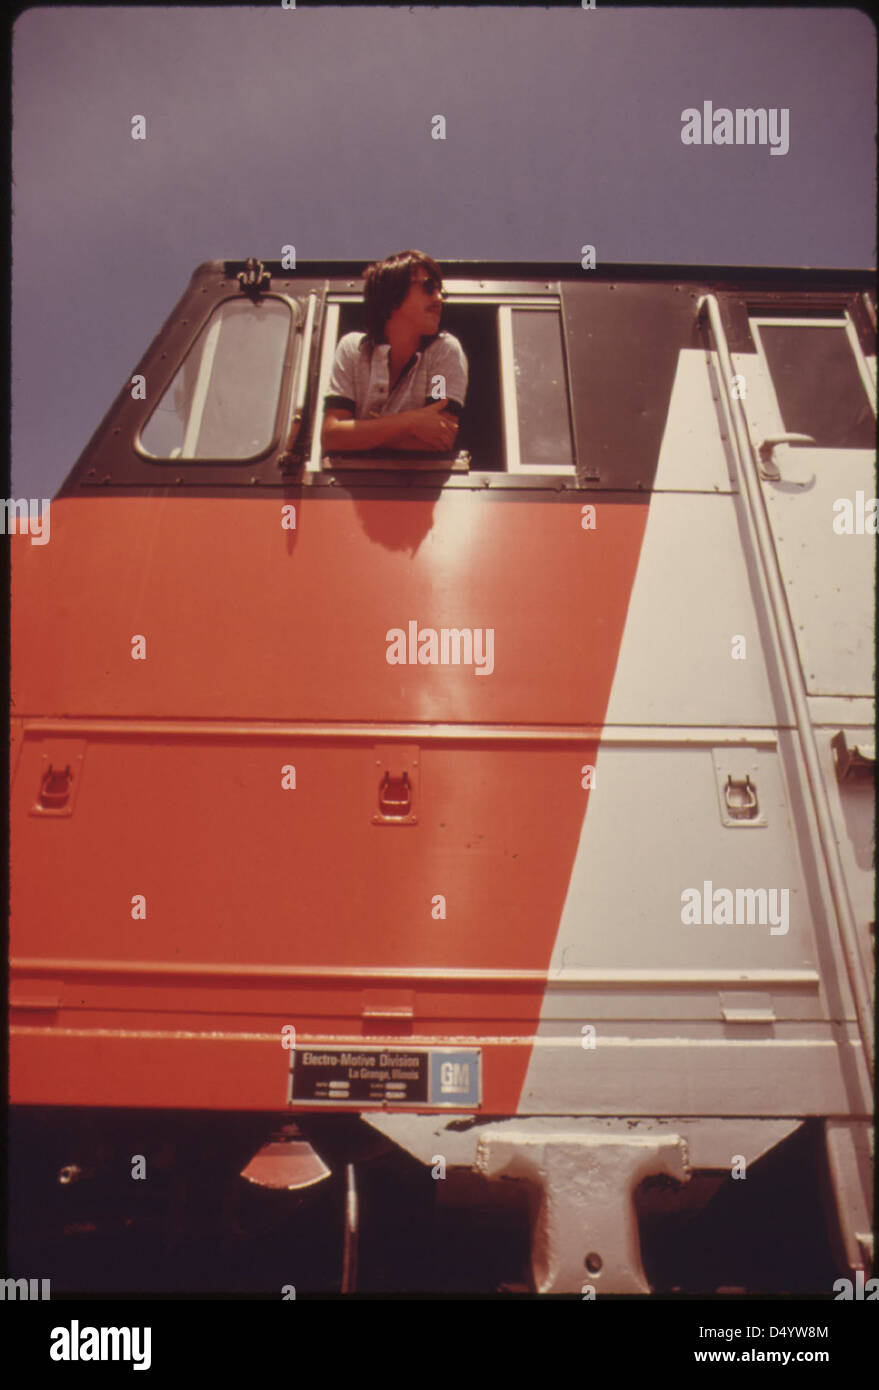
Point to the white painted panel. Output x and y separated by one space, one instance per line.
683 1076
690 598
692 457
829 579
653 829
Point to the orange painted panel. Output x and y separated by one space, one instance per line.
235 869
243 619
210 1073
248 622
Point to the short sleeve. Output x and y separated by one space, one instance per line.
448 359
342 390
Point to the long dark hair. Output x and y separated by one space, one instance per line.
386 284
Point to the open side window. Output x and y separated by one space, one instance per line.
516 417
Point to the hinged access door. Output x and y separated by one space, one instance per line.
809 393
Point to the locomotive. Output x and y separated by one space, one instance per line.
507 812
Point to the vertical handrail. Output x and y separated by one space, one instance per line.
749 486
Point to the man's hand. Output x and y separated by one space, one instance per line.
430 428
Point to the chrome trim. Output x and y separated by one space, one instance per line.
729 979
493 297
608 735
509 404
327 357
300 387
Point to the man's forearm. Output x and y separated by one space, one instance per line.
339 435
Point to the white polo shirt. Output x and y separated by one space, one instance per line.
361 376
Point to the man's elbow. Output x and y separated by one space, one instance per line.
331 436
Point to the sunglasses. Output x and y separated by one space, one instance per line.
429 284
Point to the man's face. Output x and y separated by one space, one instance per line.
423 305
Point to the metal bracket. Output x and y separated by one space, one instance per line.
855 764
254 279
61 765
398 766
584 1225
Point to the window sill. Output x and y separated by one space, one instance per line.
396 463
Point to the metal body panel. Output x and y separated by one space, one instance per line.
666 796
842 712
692 457
614 920
768 1076
691 597
257 892
247 620
829 577
624 340
266 859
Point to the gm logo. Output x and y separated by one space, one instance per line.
455 1076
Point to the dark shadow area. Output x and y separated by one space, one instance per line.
397 528
194 1225
769 1232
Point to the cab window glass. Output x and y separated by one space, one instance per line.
819 389
223 400
541 389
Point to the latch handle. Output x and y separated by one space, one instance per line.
741 798
395 795
766 451
55 787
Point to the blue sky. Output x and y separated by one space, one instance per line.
268 126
